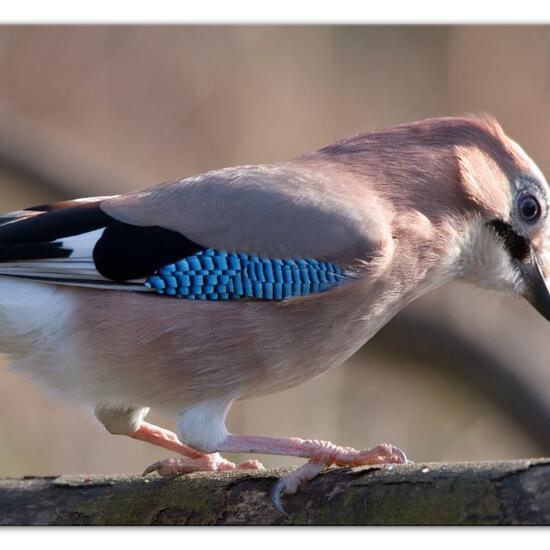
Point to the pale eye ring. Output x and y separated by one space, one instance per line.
529 208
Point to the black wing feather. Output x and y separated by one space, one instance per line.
123 252
55 225
126 252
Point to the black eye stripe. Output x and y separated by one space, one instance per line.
516 245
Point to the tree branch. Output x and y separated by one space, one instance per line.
492 493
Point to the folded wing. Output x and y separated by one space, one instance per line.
256 232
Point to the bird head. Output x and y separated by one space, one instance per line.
523 239
464 196
509 196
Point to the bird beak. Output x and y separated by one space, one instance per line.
538 290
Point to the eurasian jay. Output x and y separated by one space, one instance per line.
245 281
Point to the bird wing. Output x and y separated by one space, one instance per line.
259 232
275 210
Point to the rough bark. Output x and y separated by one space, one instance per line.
491 493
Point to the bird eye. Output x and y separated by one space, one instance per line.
529 208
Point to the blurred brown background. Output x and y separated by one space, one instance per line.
460 375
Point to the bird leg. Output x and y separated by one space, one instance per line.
191 461
321 455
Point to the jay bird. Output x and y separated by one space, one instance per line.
245 281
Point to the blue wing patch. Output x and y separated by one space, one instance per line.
217 275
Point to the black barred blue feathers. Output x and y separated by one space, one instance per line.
216 275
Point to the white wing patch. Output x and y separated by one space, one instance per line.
77 269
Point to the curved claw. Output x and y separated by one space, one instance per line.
152 468
401 455
276 494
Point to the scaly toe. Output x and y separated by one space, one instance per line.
289 484
251 465
213 462
381 454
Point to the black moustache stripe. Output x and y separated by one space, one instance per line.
516 245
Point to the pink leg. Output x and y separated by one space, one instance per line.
193 460
321 455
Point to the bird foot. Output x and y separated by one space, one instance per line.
212 462
328 455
